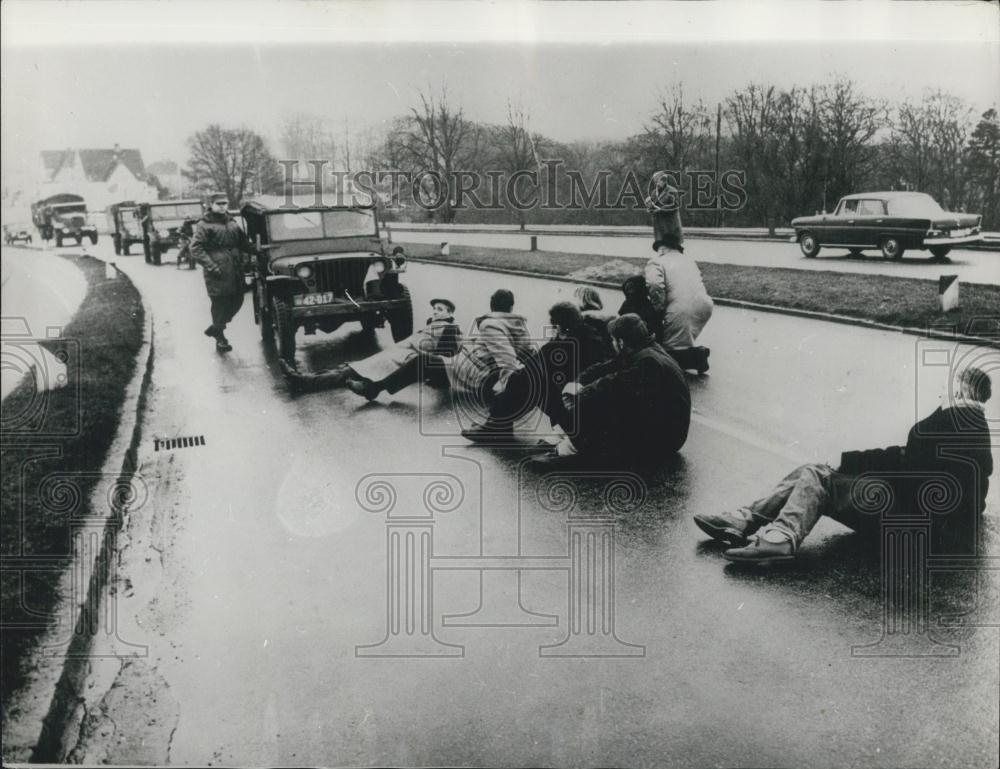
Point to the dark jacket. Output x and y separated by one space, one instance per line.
634 407
218 245
942 474
637 301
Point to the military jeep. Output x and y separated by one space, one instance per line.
163 225
320 266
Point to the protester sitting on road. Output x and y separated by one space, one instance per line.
943 469
218 245
495 349
677 291
592 308
398 366
576 347
631 410
637 302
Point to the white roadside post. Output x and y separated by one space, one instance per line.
948 292
445 249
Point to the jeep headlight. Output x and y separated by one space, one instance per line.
304 271
163 233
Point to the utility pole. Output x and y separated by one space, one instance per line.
718 137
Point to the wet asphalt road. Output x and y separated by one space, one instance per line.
970 266
253 573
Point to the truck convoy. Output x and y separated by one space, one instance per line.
63 217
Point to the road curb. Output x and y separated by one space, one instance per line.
52 698
741 304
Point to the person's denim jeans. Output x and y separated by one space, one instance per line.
808 492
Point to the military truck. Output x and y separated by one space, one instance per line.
62 217
125 225
167 224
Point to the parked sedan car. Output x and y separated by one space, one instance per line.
889 221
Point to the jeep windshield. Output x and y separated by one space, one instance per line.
182 211
319 225
920 206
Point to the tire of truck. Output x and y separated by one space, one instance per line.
58 240
146 252
401 319
117 241
93 238
125 247
263 316
283 330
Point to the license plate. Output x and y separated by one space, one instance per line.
311 300
960 233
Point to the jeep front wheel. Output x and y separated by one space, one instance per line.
283 330
809 245
401 318
93 238
262 313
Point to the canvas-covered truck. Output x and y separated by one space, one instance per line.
63 217
168 224
125 225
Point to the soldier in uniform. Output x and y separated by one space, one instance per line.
218 245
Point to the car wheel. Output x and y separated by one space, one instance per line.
940 252
283 330
117 241
93 239
146 252
892 248
157 253
855 251
401 319
808 244
125 247
58 240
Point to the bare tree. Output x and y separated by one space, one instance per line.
851 120
308 137
441 141
517 148
752 116
235 160
982 163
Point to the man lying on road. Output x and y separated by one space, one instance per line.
944 469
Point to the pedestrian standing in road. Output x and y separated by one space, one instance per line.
941 474
633 410
678 292
218 245
664 205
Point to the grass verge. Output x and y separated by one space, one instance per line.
54 447
904 302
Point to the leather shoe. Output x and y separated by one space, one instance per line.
488 434
726 528
363 387
767 547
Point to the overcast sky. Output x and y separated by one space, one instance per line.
578 84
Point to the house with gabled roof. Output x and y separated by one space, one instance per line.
101 176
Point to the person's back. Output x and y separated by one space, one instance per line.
636 407
676 286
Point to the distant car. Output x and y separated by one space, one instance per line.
317 267
12 234
889 221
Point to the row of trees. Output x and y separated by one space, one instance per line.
800 149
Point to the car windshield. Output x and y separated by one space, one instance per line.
179 211
314 225
923 206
